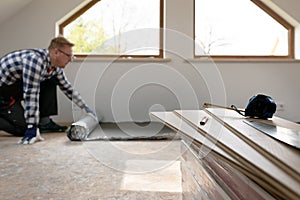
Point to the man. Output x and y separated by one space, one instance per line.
31 76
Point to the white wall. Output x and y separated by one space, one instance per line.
124 91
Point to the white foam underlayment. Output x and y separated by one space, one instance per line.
131 131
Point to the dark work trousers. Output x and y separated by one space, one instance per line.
12 117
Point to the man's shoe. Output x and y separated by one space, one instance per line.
52 127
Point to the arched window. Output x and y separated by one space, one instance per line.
241 29
129 28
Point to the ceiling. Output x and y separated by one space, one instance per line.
9 8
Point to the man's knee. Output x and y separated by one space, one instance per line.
11 128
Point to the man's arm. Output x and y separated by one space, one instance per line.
31 87
67 88
32 67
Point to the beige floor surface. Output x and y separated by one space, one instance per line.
60 169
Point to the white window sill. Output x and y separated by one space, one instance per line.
121 59
242 60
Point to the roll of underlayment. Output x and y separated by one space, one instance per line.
81 129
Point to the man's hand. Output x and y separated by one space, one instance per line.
31 136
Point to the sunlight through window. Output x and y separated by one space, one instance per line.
237 28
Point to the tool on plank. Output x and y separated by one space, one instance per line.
288 136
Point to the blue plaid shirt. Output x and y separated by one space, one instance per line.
33 66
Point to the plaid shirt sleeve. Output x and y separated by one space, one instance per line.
32 67
69 91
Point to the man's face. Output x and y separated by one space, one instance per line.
63 56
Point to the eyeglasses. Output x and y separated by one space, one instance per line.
71 56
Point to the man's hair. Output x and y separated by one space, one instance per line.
59 42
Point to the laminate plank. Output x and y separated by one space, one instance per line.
273 178
178 124
281 154
208 185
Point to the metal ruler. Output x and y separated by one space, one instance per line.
288 136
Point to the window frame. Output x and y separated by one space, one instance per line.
291 37
90 4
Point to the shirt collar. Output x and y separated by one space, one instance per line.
48 59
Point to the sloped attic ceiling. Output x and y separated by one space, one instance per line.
9 8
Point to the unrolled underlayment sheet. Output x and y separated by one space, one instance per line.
88 128
132 131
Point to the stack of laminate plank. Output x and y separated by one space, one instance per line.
272 165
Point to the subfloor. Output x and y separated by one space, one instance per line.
59 169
